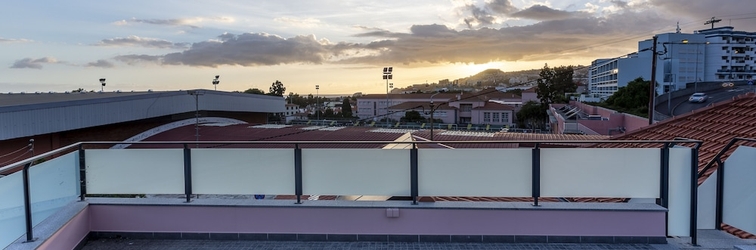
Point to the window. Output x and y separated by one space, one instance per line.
504 117
495 117
465 107
486 117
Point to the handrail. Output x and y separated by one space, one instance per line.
21 163
718 157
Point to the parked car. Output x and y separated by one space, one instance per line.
698 97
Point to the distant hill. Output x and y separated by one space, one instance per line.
496 77
489 78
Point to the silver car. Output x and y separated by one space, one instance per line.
698 97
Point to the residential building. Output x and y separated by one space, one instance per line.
705 56
452 108
291 109
729 54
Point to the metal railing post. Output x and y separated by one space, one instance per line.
536 173
298 173
720 195
27 203
187 173
413 174
664 187
82 173
694 196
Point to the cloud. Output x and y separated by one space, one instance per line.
29 63
501 6
9 40
574 35
542 40
620 4
141 42
101 64
480 17
135 59
543 13
182 22
248 49
301 22
560 34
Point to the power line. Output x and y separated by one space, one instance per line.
11 153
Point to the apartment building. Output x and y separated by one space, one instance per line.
709 55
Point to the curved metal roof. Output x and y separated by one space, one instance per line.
30 114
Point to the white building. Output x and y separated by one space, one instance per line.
709 55
730 54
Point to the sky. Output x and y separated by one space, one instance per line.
341 46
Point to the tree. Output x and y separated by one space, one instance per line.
346 108
554 83
412 116
632 98
277 89
254 91
329 112
532 115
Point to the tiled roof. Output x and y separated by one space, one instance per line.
421 105
441 96
494 106
715 126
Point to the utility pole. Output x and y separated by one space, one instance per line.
712 22
652 85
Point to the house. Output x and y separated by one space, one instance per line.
451 108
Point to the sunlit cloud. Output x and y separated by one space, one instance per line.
193 22
136 41
299 22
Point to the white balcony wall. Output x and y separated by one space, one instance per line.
242 171
356 171
678 219
565 172
475 172
605 172
739 200
135 171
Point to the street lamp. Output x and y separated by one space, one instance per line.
387 75
102 81
317 103
432 110
216 81
196 94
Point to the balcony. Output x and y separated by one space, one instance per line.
60 193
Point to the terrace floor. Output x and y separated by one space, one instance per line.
707 239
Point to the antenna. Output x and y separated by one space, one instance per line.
712 21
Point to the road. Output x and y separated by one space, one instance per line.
680 105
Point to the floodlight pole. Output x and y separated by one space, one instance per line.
216 81
387 75
317 102
102 83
